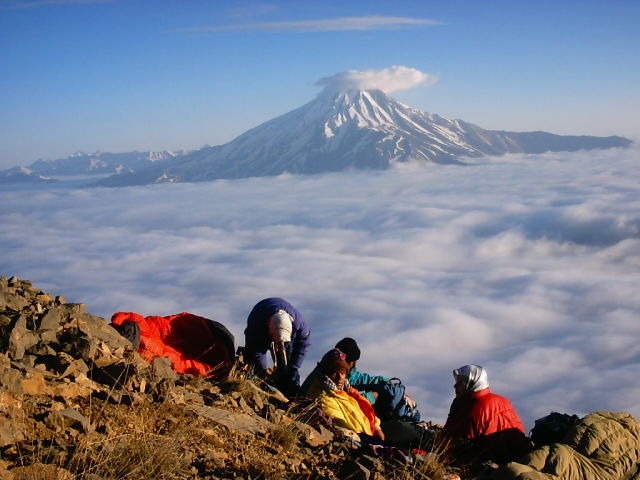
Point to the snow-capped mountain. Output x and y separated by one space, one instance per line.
363 129
80 163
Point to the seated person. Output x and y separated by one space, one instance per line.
341 402
482 425
366 384
394 404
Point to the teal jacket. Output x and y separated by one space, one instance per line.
363 382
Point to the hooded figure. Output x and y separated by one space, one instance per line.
483 425
275 326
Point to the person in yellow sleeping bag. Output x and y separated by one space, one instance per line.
341 402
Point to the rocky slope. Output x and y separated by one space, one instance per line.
77 402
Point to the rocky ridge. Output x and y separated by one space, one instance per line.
78 402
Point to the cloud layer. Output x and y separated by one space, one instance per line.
386 79
527 265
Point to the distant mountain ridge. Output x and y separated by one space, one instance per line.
23 175
81 163
356 129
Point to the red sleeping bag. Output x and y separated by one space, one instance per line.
194 344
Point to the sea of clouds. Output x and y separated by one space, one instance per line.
527 265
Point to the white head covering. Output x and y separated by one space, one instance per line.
280 326
473 377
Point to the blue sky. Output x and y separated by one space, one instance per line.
127 75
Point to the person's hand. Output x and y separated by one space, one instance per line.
377 432
409 401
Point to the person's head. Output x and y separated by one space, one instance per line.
349 346
470 378
280 327
335 366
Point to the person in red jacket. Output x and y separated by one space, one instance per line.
482 425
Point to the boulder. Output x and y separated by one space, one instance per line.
21 339
238 422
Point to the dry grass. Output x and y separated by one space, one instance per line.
435 465
148 442
132 443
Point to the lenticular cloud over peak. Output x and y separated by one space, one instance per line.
386 79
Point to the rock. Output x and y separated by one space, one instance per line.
11 380
115 374
76 343
7 299
20 339
35 385
98 329
215 459
69 418
69 391
49 326
11 431
162 369
74 309
313 437
75 368
352 470
238 422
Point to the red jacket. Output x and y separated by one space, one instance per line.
485 426
479 414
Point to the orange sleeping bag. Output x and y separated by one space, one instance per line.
194 344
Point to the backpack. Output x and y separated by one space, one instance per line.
552 428
393 403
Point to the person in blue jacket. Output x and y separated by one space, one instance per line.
363 382
277 326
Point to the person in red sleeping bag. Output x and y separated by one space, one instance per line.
194 344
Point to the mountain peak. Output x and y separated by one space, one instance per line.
351 127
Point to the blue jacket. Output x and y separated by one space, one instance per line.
363 382
257 340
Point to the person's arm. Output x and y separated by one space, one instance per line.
377 432
255 348
301 344
364 381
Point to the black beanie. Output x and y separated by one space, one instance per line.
349 346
